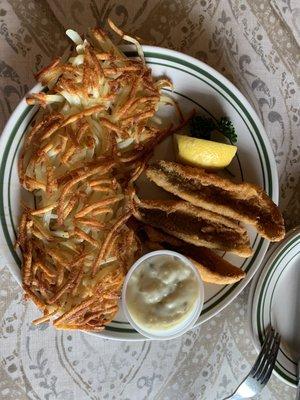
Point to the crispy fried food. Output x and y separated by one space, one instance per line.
245 202
194 225
212 268
90 141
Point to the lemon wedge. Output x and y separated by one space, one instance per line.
203 153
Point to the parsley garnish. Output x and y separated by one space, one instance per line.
202 127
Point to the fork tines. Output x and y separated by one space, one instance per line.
265 362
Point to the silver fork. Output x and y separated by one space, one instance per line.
261 371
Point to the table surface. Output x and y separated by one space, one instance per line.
255 43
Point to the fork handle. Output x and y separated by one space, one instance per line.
298 386
236 397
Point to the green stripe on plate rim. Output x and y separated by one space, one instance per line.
264 291
268 279
271 302
10 173
2 171
268 189
261 301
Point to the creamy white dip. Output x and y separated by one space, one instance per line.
161 292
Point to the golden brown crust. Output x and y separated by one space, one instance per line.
50 73
212 268
245 202
195 225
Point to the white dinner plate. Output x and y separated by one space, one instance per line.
196 86
274 299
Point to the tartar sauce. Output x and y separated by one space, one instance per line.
161 292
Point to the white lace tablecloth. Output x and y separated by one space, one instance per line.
255 43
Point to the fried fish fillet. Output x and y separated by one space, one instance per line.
212 268
244 202
194 225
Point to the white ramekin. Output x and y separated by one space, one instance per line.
185 324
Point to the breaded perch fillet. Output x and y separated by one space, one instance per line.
244 202
194 225
212 268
